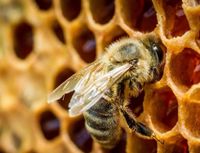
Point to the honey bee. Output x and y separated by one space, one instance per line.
103 88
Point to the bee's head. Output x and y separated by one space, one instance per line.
145 54
155 49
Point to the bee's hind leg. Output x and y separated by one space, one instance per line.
129 119
136 126
146 131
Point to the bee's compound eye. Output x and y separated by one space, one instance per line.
156 48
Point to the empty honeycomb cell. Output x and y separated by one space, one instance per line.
80 136
139 15
70 8
49 124
44 4
102 10
177 23
130 10
57 29
191 112
147 20
115 34
181 146
23 39
85 44
164 109
136 104
61 77
186 73
141 145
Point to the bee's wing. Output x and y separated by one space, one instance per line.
85 82
71 83
94 89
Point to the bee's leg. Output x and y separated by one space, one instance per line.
129 117
144 130
129 120
138 127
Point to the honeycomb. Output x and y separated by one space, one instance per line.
44 42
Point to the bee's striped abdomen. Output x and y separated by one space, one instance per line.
102 122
